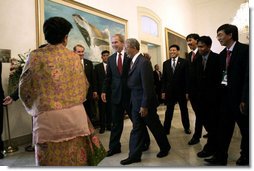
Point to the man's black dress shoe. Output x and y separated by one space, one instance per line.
187 131
112 152
214 161
29 148
162 154
203 154
102 131
193 141
242 161
205 136
145 147
1 155
129 161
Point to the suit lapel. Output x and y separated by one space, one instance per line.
210 60
179 62
134 65
169 66
114 64
126 63
102 69
233 55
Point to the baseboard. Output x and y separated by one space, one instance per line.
19 141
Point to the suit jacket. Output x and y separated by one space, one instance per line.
192 79
115 81
99 76
141 84
15 94
157 81
88 67
237 74
174 84
208 79
1 87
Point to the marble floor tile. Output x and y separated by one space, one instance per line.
180 155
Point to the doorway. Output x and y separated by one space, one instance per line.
154 51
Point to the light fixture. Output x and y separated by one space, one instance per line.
241 19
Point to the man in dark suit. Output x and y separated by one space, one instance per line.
143 105
192 42
174 88
157 81
234 95
208 81
104 108
1 114
116 80
88 69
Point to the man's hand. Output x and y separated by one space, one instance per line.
103 97
7 100
143 111
95 95
242 107
187 96
163 96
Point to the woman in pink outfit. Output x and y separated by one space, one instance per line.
53 87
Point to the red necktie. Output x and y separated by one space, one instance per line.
228 58
119 63
193 56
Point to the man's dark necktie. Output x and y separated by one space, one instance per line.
119 63
193 56
204 62
228 58
174 64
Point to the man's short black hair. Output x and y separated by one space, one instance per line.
105 51
193 36
229 29
175 46
206 40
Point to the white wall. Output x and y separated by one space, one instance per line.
18 30
212 14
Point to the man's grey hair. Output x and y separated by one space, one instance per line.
133 43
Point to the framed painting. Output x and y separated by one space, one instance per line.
5 55
175 38
92 28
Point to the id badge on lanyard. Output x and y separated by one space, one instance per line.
224 78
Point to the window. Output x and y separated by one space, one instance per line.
149 26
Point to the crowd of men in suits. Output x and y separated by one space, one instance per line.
217 86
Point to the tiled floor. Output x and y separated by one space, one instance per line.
181 154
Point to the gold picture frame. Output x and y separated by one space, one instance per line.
178 39
92 28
